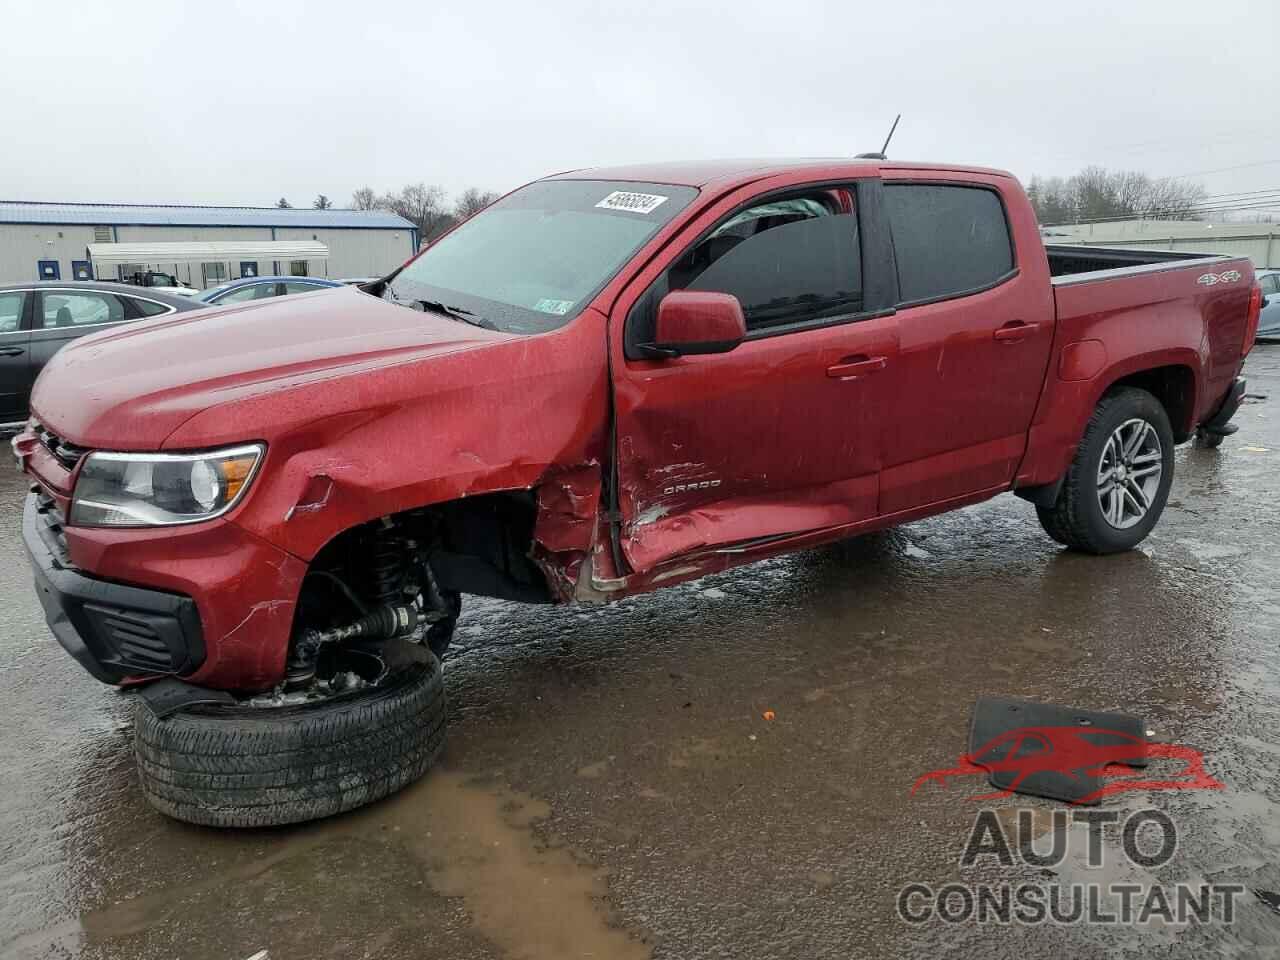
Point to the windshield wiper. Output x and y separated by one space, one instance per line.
435 306
457 313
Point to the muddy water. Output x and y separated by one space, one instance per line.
611 786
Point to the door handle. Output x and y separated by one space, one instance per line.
856 366
11 351
1015 331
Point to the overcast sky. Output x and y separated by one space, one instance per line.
243 102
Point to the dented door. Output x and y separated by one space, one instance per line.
779 436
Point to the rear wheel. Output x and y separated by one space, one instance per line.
257 766
1118 484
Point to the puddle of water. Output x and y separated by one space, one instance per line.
534 901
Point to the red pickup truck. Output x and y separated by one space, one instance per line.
263 517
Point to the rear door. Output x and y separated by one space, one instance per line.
15 359
61 315
975 320
781 435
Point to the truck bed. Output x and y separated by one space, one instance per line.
1070 263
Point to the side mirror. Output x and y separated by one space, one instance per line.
696 322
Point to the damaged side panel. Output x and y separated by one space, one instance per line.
565 531
759 442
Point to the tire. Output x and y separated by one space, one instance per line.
249 766
1077 519
1210 441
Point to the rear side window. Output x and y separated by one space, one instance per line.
293 286
10 312
786 261
80 309
1271 284
149 308
948 240
251 291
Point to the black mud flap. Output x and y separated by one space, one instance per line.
1059 753
1220 423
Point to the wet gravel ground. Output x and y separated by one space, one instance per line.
611 787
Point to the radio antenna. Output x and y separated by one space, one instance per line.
885 148
881 154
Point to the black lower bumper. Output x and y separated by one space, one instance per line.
1220 423
114 631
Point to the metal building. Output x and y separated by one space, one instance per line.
1258 241
59 241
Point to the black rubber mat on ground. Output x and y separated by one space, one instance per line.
1050 751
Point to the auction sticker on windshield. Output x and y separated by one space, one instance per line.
632 202
558 307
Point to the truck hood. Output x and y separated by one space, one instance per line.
132 387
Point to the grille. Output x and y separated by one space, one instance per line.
51 524
66 453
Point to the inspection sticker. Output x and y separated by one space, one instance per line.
632 202
558 307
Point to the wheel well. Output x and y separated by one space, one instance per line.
1175 388
478 545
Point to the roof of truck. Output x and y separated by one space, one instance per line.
700 173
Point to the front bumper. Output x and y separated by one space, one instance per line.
1220 423
112 630
208 602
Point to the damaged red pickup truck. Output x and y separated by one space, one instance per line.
263 517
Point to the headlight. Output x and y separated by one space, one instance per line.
161 489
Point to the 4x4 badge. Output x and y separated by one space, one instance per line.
1209 279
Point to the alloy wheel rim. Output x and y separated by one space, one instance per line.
1129 473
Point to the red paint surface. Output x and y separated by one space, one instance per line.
369 408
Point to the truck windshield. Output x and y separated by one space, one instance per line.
533 260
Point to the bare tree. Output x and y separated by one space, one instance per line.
284 204
364 199
322 202
472 201
1096 193
422 205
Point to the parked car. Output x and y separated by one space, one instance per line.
37 318
605 383
154 279
262 288
1269 321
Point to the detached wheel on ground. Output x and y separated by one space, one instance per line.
1118 484
248 766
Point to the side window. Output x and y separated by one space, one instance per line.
1271 284
80 309
254 291
292 286
149 308
948 240
10 311
786 261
